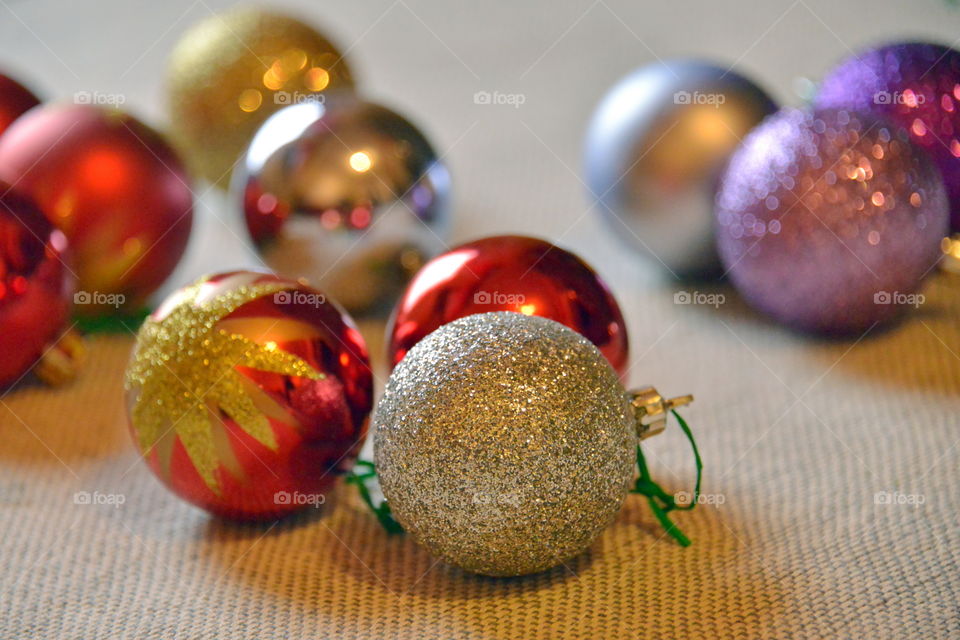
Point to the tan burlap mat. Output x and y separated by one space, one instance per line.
795 450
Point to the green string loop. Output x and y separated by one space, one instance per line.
661 502
381 511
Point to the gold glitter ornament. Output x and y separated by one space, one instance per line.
505 444
229 72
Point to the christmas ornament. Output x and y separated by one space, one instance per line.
35 290
915 85
654 150
828 220
229 72
249 394
116 190
15 100
505 443
348 194
509 273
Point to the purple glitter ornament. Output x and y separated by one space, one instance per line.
828 220
915 85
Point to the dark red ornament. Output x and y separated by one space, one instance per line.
35 285
114 187
15 100
509 273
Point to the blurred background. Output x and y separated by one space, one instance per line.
515 168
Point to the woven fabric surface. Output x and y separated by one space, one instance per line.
804 440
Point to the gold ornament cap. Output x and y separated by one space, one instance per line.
61 362
650 410
950 246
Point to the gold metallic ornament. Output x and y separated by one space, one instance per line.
348 194
229 72
505 443
184 369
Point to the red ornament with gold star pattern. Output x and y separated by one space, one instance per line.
114 187
35 287
15 100
249 394
509 273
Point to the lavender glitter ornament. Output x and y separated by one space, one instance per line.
828 220
915 85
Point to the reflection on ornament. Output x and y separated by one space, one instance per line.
36 286
231 71
114 187
654 150
951 254
15 100
347 194
509 273
829 220
915 85
246 389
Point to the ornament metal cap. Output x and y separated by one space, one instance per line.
62 360
950 246
650 410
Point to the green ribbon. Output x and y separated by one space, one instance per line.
382 511
661 502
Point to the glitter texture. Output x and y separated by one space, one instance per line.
230 71
828 220
504 443
915 85
184 368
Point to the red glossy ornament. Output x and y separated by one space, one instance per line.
114 187
35 285
15 100
509 273
249 394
